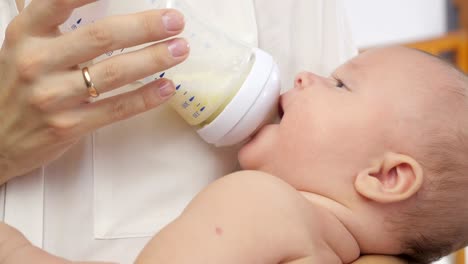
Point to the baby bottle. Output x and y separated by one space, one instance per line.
225 89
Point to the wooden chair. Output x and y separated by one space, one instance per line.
460 257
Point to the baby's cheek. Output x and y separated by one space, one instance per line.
300 128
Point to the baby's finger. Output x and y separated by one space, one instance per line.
114 33
41 16
110 110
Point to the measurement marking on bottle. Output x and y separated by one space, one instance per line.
75 26
178 87
162 74
185 93
198 105
192 98
202 109
185 105
196 115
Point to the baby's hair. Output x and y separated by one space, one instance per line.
437 224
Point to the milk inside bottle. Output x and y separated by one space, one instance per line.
225 89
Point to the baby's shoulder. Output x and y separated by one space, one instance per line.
274 221
257 186
260 188
274 200
282 210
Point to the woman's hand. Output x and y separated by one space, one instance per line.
44 101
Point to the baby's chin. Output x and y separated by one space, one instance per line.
255 152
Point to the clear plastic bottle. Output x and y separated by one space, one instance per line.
214 72
225 89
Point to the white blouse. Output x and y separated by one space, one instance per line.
105 197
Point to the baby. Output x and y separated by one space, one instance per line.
369 161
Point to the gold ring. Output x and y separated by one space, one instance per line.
92 91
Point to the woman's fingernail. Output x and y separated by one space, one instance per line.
178 47
166 89
173 21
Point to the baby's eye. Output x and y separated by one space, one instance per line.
340 83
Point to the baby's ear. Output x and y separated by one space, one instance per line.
395 178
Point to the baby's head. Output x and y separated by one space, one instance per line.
385 140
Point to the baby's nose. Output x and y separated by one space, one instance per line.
305 79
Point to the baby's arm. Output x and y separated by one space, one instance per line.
246 217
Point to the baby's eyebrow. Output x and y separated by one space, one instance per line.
353 66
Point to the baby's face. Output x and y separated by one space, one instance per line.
333 127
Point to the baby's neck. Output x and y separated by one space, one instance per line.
337 234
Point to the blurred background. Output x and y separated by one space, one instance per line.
436 26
